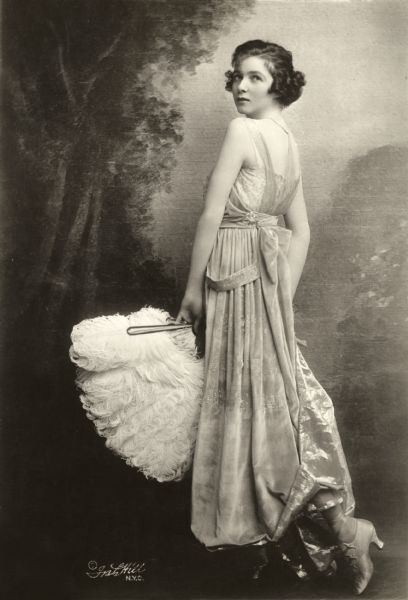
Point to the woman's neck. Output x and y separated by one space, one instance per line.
273 113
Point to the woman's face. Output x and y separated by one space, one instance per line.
250 84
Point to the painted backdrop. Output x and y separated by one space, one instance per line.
113 115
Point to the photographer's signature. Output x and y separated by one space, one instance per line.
130 571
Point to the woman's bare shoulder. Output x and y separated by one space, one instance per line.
239 136
238 125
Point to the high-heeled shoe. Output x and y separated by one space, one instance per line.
263 562
256 573
355 555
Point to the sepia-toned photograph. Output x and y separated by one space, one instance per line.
204 293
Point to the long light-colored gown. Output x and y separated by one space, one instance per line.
267 438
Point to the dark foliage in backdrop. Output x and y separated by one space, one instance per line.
91 125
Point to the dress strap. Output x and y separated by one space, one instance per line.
281 123
258 157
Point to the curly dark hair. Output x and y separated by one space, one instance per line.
287 83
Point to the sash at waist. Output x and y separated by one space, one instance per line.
250 219
273 241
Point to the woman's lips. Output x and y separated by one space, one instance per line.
243 100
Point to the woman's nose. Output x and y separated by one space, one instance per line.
242 85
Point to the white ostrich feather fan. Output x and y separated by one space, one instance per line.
143 392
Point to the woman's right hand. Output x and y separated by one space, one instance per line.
191 310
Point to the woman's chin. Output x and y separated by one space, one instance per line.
242 108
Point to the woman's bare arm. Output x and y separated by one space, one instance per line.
296 220
232 154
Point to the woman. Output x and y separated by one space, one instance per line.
268 457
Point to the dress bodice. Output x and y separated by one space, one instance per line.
261 189
249 187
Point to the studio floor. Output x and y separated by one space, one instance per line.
199 575
217 579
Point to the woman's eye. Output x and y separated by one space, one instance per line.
238 76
